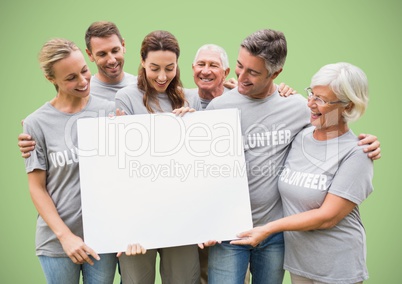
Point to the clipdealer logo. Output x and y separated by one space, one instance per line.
148 147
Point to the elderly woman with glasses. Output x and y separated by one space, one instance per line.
325 178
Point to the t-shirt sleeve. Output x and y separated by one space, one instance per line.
192 98
111 108
210 106
353 180
197 103
38 159
123 101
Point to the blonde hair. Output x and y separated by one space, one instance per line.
53 51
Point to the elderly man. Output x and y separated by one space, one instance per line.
210 70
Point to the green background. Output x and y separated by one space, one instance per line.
364 33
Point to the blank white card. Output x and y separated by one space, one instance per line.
162 180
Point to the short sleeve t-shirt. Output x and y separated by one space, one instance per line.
314 168
55 134
269 126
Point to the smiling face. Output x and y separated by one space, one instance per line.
72 75
254 79
208 71
327 117
108 55
160 68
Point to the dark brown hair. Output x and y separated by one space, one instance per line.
165 41
101 29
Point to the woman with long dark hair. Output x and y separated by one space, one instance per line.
159 89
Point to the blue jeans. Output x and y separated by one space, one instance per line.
62 270
228 263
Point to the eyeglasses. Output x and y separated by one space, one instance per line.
318 101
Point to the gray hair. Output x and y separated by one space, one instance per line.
269 45
349 83
216 48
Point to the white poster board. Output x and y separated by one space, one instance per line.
162 180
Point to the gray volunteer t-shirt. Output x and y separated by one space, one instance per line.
130 99
205 102
314 168
268 125
108 91
55 134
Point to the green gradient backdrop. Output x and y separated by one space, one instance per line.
365 33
